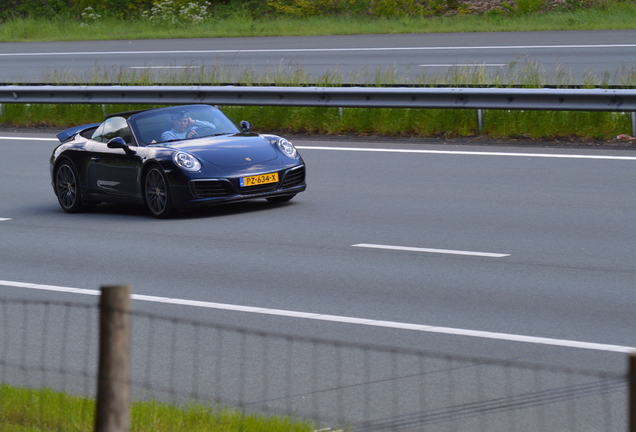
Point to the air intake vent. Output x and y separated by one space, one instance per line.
209 189
294 178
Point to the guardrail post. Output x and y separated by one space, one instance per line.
633 117
480 120
112 411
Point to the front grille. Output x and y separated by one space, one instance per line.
209 189
294 178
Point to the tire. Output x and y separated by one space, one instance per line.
67 188
280 199
157 193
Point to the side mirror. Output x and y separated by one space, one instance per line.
246 126
119 143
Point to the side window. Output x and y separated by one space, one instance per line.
98 133
111 128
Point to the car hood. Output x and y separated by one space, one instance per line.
230 150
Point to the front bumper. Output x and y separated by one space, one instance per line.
216 191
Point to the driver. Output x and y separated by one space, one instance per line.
184 126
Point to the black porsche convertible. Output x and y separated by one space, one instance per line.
172 159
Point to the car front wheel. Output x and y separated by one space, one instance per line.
157 193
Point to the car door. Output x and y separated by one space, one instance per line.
114 171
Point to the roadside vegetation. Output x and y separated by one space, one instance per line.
58 20
55 20
45 410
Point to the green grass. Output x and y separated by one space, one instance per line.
539 125
609 15
45 410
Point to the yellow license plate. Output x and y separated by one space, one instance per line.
259 179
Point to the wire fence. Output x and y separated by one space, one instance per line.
336 385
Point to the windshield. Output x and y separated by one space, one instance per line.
179 123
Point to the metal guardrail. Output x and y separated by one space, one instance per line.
548 99
369 97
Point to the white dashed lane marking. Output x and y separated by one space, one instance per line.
428 250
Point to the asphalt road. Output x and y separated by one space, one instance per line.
564 227
357 58
509 253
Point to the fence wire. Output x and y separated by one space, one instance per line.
358 387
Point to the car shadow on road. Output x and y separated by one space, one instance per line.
230 209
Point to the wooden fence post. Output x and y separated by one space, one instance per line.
112 410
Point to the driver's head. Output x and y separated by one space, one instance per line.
180 120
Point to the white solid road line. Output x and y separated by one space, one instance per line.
441 152
466 65
340 319
469 153
4 219
437 251
311 50
164 67
28 139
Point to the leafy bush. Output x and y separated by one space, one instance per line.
113 8
377 8
304 8
393 8
39 8
88 16
177 12
529 6
170 11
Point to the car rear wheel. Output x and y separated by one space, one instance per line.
67 188
157 193
280 199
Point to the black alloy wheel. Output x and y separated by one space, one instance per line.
67 188
157 193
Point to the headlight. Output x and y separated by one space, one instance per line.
287 148
186 161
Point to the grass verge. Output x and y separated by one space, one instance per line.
434 123
604 16
45 410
